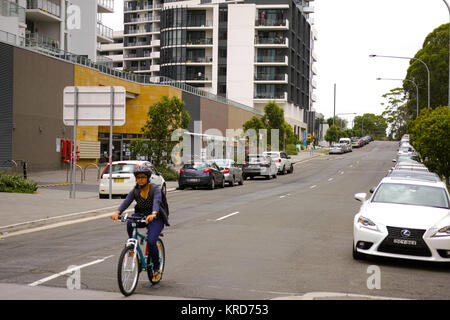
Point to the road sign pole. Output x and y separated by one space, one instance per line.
111 142
74 144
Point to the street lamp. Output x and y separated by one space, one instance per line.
448 7
417 91
428 70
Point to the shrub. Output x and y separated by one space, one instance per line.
168 173
291 149
15 183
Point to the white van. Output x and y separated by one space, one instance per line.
347 141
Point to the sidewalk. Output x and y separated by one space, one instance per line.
50 205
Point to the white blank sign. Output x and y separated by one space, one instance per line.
94 106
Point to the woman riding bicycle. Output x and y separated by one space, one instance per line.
147 205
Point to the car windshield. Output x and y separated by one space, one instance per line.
411 194
196 165
408 159
257 159
414 175
273 155
222 162
122 168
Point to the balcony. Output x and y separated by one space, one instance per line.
104 33
308 10
43 11
272 24
196 78
155 55
271 78
200 42
41 41
105 6
314 56
137 44
10 9
265 97
277 42
196 24
128 7
314 70
272 60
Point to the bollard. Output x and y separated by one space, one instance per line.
24 169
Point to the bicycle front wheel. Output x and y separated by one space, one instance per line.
128 271
162 262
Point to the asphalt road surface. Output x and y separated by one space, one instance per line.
285 237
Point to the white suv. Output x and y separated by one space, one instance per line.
124 180
282 161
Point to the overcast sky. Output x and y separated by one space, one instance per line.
348 31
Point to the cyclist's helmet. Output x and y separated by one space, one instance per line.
142 169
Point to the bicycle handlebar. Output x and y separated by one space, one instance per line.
136 219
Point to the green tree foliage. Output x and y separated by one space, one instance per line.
164 117
341 123
333 134
430 136
395 113
273 118
435 54
370 123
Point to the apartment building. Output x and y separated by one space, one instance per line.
250 51
113 51
73 26
142 36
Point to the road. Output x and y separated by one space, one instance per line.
285 237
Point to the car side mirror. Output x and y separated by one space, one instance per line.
394 160
361 197
288 157
372 190
221 168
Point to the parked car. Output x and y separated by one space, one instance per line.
233 172
201 174
414 174
357 142
404 218
123 180
260 165
338 148
410 166
412 158
406 150
348 142
282 161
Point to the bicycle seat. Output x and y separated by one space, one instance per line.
161 235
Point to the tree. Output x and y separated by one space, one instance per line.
430 137
370 123
164 117
341 123
333 134
434 53
396 114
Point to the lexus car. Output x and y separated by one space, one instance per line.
404 218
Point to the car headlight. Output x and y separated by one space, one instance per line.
443 232
367 223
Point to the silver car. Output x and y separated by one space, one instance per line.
260 165
231 171
338 148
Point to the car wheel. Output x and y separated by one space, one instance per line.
223 183
212 184
232 182
292 169
164 189
241 182
180 187
283 172
268 177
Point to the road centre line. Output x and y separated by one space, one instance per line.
312 187
227 216
331 179
68 271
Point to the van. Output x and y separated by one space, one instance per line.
347 141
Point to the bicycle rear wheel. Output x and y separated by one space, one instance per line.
128 271
162 262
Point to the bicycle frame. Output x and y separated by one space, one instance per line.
134 241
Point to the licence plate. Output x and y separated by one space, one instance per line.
119 180
192 180
253 166
405 242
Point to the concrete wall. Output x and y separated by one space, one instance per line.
39 82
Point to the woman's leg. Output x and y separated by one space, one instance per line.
154 229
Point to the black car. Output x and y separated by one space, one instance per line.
201 174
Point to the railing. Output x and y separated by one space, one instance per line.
196 77
104 31
199 60
271 23
276 40
199 24
38 40
270 77
270 96
107 4
137 78
269 59
10 9
206 41
46 6
127 8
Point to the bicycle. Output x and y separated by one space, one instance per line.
133 260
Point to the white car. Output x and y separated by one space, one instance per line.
282 161
404 218
124 180
347 141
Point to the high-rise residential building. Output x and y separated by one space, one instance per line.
250 51
74 26
142 36
113 51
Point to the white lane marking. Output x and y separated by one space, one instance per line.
331 179
312 187
281 197
351 166
227 216
342 172
68 271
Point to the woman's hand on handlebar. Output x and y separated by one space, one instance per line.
150 217
116 216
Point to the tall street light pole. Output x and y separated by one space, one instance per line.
448 7
428 70
417 91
